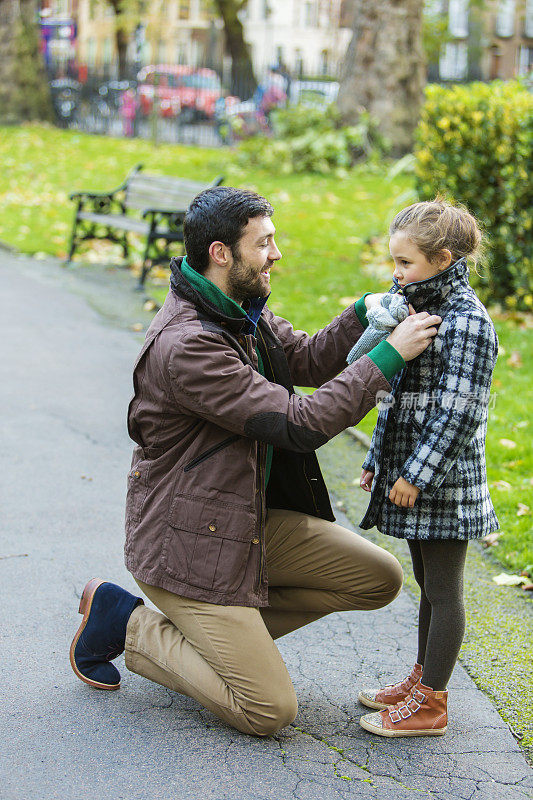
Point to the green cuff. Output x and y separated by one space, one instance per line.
387 359
360 310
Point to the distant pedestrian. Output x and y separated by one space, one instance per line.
127 111
426 464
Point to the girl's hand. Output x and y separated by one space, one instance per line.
403 493
366 480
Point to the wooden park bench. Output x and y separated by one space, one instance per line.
161 201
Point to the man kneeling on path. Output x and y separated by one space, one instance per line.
229 529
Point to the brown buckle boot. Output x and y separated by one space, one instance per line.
422 713
392 693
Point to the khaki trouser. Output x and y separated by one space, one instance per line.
225 656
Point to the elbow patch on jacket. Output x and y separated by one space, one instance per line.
274 428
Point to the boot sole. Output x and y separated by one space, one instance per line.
368 726
85 609
372 703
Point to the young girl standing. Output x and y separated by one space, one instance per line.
426 464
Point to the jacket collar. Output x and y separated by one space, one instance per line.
433 290
212 302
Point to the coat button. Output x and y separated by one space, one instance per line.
137 474
255 540
212 526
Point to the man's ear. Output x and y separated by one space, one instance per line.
220 254
444 259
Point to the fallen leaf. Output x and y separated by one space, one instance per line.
504 579
503 485
515 359
137 326
150 305
347 301
491 540
508 443
523 510
522 424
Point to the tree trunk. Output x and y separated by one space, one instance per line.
121 38
242 72
122 49
24 89
383 70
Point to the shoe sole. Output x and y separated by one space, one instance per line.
368 726
372 703
85 609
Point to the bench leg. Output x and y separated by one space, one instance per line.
73 242
125 246
147 266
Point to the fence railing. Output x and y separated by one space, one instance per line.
178 103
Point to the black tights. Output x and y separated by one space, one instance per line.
438 566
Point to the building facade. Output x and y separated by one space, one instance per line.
309 37
484 42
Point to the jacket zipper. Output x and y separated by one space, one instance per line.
260 487
210 452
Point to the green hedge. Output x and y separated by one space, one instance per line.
312 139
475 146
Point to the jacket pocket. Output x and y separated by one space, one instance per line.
211 452
208 543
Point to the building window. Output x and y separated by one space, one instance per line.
310 15
324 62
184 9
458 18
525 60
505 18
453 63
528 20
91 51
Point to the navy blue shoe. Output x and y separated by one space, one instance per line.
101 637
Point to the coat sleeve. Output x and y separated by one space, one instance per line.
460 401
313 360
209 380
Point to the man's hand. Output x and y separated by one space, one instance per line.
373 300
403 493
366 479
413 335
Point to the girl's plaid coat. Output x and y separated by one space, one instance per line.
431 428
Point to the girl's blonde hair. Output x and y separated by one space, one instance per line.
436 225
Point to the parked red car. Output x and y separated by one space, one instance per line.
189 91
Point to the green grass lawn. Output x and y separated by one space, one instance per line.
322 226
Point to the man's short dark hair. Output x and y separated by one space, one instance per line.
219 215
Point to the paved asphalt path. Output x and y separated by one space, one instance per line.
66 382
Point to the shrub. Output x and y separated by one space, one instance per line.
474 145
310 139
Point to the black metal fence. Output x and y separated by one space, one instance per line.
176 103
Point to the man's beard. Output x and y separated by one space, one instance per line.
244 283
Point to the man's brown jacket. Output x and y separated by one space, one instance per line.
202 416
